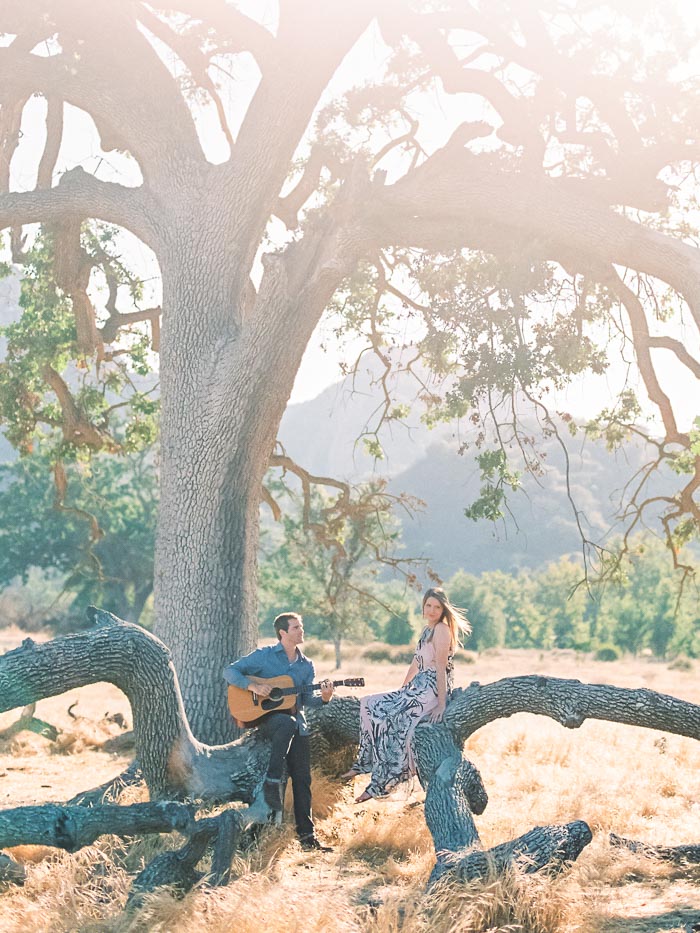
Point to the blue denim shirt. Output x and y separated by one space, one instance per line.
272 661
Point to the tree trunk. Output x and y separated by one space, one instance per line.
214 454
141 595
221 409
338 654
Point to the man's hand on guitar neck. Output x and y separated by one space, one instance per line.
327 689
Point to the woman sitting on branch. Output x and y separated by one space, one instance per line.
388 720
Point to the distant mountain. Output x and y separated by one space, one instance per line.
320 434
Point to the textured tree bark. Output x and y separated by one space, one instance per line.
544 848
229 353
72 828
688 854
220 414
11 872
178 869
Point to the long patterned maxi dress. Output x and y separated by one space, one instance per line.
388 721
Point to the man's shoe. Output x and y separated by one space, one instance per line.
312 843
272 794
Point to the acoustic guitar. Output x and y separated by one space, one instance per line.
247 708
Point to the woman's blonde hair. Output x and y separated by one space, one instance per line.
455 618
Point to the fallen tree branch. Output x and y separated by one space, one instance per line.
688 854
544 848
178 870
72 828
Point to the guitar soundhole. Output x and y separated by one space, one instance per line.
272 702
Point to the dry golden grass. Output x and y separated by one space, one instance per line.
632 781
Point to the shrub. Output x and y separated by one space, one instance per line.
681 663
402 656
465 657
607 653
318 650
37 603
377 653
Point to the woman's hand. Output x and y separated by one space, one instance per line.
437 714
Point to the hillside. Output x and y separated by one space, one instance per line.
321 434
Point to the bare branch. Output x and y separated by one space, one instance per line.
677 348
640 339
76 429
269 501
54 136
287 208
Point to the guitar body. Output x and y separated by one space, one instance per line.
248 708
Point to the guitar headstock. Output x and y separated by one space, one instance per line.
354 682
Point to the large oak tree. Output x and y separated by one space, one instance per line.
569 162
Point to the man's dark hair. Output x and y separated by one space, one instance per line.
282 621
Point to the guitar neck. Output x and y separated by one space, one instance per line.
307 688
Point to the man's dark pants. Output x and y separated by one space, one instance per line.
281 730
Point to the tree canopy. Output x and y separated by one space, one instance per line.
516 178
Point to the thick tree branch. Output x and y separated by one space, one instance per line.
570 703
105 65
682 855
457 199
72 828
189 52
79 196
312 40
235 32
10 120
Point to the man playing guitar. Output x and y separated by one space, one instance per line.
288 731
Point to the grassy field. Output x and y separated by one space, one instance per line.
634 782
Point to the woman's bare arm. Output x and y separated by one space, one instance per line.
441 643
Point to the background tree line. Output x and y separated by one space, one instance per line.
544 609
